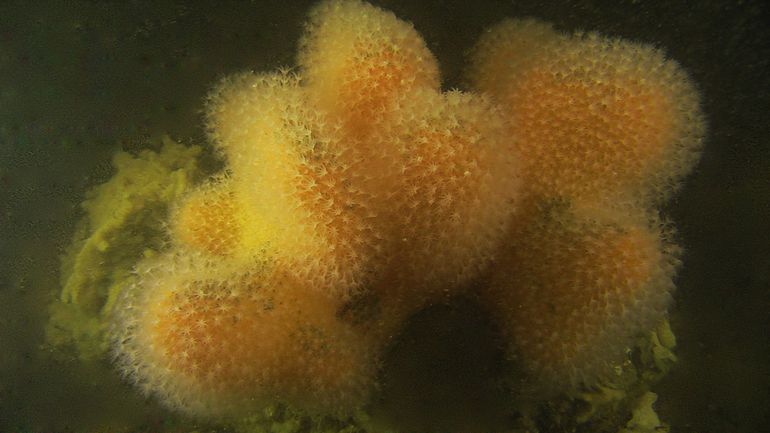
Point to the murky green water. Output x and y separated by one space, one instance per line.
81 81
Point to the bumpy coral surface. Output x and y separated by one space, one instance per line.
598 118
574 288
358 193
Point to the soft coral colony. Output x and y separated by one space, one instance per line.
357 192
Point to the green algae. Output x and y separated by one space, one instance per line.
123 221
643 417
622 403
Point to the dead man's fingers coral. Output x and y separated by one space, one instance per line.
356 193
454 188
227 345
575 289
593 117
356 58
209 220
294 185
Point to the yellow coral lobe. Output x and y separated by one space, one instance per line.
261 124
594 116
208 221
356 58
577 289
267 134
287 169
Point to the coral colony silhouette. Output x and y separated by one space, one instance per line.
356 193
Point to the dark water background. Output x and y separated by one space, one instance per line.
80 80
